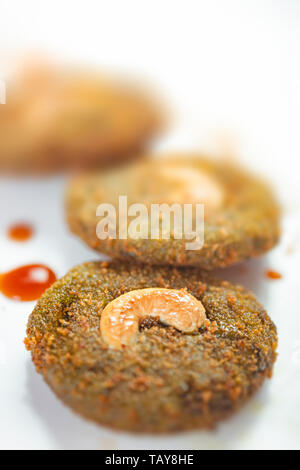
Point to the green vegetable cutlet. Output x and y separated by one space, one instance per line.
241 214
65 118
166 380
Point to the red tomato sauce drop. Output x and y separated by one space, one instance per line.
20 232
26 282
270 274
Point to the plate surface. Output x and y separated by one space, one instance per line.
232 72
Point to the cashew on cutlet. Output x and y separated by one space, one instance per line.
120 319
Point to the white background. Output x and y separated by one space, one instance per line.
231 71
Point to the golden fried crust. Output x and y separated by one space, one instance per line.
245 225
167 381
56 119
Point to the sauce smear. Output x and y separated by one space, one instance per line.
270 274
26 282
20 232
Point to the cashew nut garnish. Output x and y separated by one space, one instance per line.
120 319
193 186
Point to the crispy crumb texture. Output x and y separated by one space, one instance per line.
241 213
169 380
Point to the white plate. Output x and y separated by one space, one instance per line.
229 67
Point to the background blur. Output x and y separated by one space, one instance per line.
231 73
